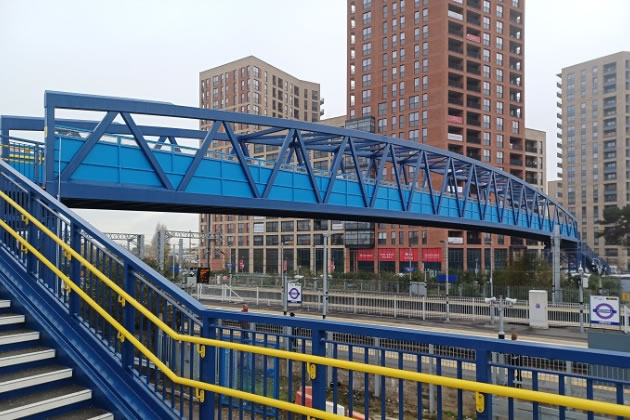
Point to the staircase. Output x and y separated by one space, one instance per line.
32 381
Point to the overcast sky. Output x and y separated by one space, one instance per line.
156 49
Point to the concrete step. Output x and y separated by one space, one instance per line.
34 376
26 355
88 413
18 336
11 319
42 401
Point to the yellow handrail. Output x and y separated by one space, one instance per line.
124 334
505 391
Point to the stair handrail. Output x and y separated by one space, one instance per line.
124 334
463 384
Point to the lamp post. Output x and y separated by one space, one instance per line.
491 267
448 317
410 266
325 285
581 280
285 304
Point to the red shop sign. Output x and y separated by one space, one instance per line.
406 254
387 254
366 255
432 254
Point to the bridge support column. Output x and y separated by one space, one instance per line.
207 367
555 264
482 367
319 381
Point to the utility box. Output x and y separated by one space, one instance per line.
538 315
417 288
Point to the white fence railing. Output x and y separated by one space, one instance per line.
400 306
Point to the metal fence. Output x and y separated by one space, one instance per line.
400 306
401 286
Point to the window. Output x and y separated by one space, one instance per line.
499 59
486 105
499 124
500 140
499 27
413 237
486 23
486 139
486 88
499 107
425 82
303 225
382 238
515 127
486 155
425 31
499 91
486 121
499 157
486 38
499 11
499 75
272 226
486 71
413 119
425 15
287 226
367 33
367 18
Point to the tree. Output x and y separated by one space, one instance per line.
616 226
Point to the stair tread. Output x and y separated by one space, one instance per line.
25 373
21 352
81 414
8 315
24 400
8 333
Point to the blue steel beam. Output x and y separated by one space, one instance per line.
488 186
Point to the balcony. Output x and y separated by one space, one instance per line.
455 137
455 119
516 162
455 15
531 163
455 98
516 146
531 149
455 29
455 63
531 179
473 38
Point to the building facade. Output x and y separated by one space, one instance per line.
594 112
252 243
449 74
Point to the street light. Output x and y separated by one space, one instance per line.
448 317
581 280
325 285
285 297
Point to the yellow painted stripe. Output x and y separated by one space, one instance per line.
522 394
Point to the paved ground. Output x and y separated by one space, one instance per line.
567 336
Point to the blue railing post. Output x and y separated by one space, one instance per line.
129 315
482 367
207 367
75 267
319 382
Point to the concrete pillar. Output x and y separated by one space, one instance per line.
555 264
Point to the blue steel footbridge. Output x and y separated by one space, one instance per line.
93 332
314 170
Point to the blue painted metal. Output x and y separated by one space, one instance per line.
90 340
292 188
